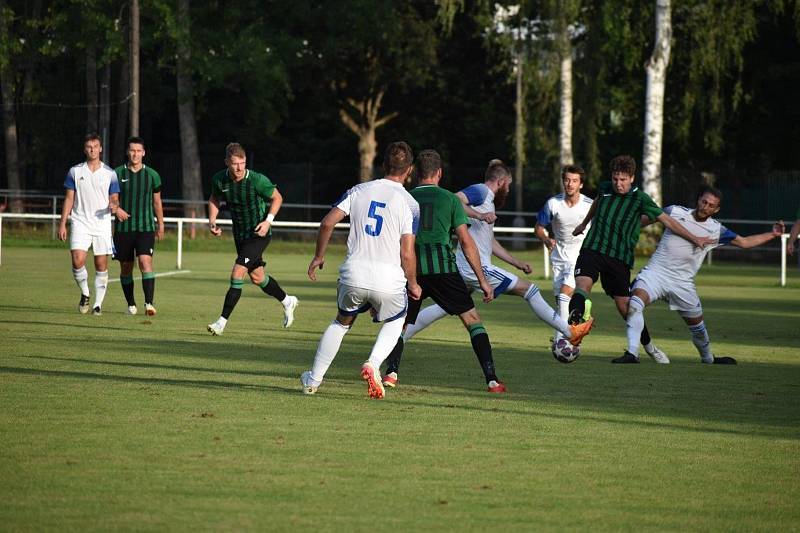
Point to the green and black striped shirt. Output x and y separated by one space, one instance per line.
617 221
136 198
247 199
440 213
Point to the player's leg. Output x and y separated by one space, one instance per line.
124 247
635 319
328 347
231 299
587 270
79 246
102 247
482 347
253 250
145 243
395 356
564 288
391 310
700 339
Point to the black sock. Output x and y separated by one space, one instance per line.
231 298
577 306
393 361
271 287
127 289
148 286
483 349
645 339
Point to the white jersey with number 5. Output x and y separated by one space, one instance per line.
381 211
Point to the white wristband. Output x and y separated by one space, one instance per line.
270 218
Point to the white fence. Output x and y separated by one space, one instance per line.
180 221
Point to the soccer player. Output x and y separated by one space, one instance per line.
380 263
91 201
135 232
441 216
670 273
247 193
607 250
790 244
479 205
563 212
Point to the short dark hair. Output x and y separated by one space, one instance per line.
234 149
92 137
427 163
574 169
710 189
397 158
623 163
496 170
134 140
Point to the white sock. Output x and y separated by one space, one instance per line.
100 286
546 313
562 302
82 279
635 322
328 348
702 342
222 321
387 338
425 318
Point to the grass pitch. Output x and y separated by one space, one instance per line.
120 422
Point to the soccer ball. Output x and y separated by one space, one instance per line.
564 352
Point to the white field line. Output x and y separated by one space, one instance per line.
161 274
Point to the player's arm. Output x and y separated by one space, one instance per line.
326 228
66 208
113 206
276 200
408 260
501 253
752 241
158 209
489 218
541 233
474 259
793 237
588 218
680 231
213 213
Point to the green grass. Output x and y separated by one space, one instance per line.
119 422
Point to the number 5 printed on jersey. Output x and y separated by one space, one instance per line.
376 230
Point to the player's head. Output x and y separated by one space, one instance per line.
428 165
623 170
498 174
135 150
572 177
92 147
398 159
235 160
709 199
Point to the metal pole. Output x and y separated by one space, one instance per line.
784 238
180 244
1 239
546 261
55 202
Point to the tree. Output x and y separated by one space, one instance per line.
656 68
8 48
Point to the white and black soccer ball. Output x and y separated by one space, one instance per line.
564 352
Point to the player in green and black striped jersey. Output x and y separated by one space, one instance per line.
607 251
135 229
441 217
253 201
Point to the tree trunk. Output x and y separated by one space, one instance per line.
190 153
10 136
518 242
134 54
656 68
565 97
364 125
105 113
91 90
121 121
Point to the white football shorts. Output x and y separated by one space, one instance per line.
500 280
681 295
355 300
563 274
100 244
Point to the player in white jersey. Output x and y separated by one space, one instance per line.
479 204
670 273
90 202
563 212
379 267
